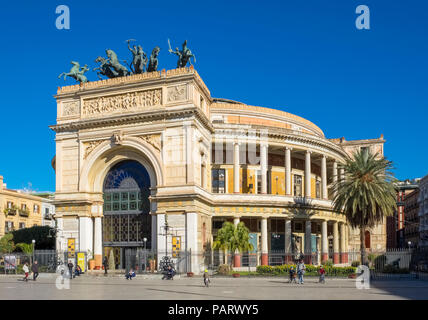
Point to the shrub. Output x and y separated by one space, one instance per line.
311 270
391 269
223 269
355 264
328 263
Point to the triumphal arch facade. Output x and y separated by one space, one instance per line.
137 153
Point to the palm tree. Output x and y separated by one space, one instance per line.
366 193
233 238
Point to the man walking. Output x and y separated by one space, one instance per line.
300 270
35 270
70 268
105 264
26 271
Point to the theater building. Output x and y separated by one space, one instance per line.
139 152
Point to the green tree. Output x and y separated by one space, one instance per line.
25 248
233 238
366 194
38 233
6 243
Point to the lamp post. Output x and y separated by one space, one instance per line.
33 243
145 254
166 227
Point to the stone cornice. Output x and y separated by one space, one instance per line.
284 136
132 81
152 115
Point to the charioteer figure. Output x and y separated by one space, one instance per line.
183 56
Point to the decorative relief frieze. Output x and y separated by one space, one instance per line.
125 102
90 146
70 108
177 93
154 140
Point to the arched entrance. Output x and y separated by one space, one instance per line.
127 221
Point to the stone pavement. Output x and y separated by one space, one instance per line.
152 287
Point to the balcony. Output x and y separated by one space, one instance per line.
24 212
10 211
48 216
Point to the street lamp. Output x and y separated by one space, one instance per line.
145 254
34 243
410 244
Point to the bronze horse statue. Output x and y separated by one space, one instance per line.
153 62
76 72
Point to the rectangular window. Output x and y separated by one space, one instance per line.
21 225
9 204
297 185
218 180
318 189
23 206
259 182
46 210
36 208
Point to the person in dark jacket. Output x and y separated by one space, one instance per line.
35 270
105 264
70 269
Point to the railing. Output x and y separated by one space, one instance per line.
10 211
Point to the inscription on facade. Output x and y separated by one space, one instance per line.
130 101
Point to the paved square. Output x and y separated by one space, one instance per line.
152 287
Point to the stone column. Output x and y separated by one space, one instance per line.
308 174
324 178
324 241
265 258
263 166
237 255
308 242
343 250
347 235
192 240
335 243
334 174
98 242
236 167
288 235
86 234
288 171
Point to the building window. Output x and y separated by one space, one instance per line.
218 180
9 204
318 189
21 225
36 208
297 185
364 149
23 206
46 210
259 181
8 226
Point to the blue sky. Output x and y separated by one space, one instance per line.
303 57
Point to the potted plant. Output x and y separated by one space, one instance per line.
190 274
236 275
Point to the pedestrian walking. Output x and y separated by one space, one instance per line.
322 274
35 270
70 269
26 271
301 270
105 265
